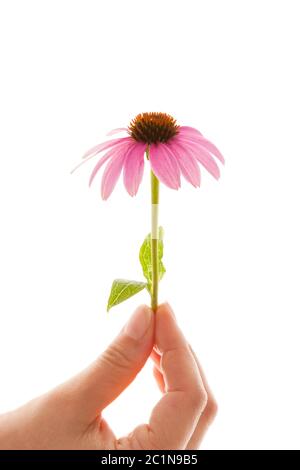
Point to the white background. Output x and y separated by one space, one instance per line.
70 72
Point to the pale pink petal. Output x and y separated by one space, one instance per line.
99 164
204 143
115 146
112 153
187 163
117 130
205 158
134 167
164 166
189 130
213 149
79 164
111 175
105 145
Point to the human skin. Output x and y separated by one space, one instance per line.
69 416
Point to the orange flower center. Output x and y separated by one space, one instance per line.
152 128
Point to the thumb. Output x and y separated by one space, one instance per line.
95 387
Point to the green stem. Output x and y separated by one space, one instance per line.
154 239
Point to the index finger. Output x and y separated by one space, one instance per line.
175 416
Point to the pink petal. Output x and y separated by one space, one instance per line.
99 165
100 147
105 145
111 175
187 130
164 165
187 164
134 167
117 130
213 149
204 143
205 158
112 153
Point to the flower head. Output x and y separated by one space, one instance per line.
172 150
153 128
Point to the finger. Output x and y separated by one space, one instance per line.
210 410
208 414
174 418
157 372
89 392
159 379
156 358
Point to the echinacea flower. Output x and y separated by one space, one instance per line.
172 151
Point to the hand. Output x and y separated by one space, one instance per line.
69 417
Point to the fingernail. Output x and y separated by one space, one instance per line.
139 323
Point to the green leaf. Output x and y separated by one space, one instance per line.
122 289
145 256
